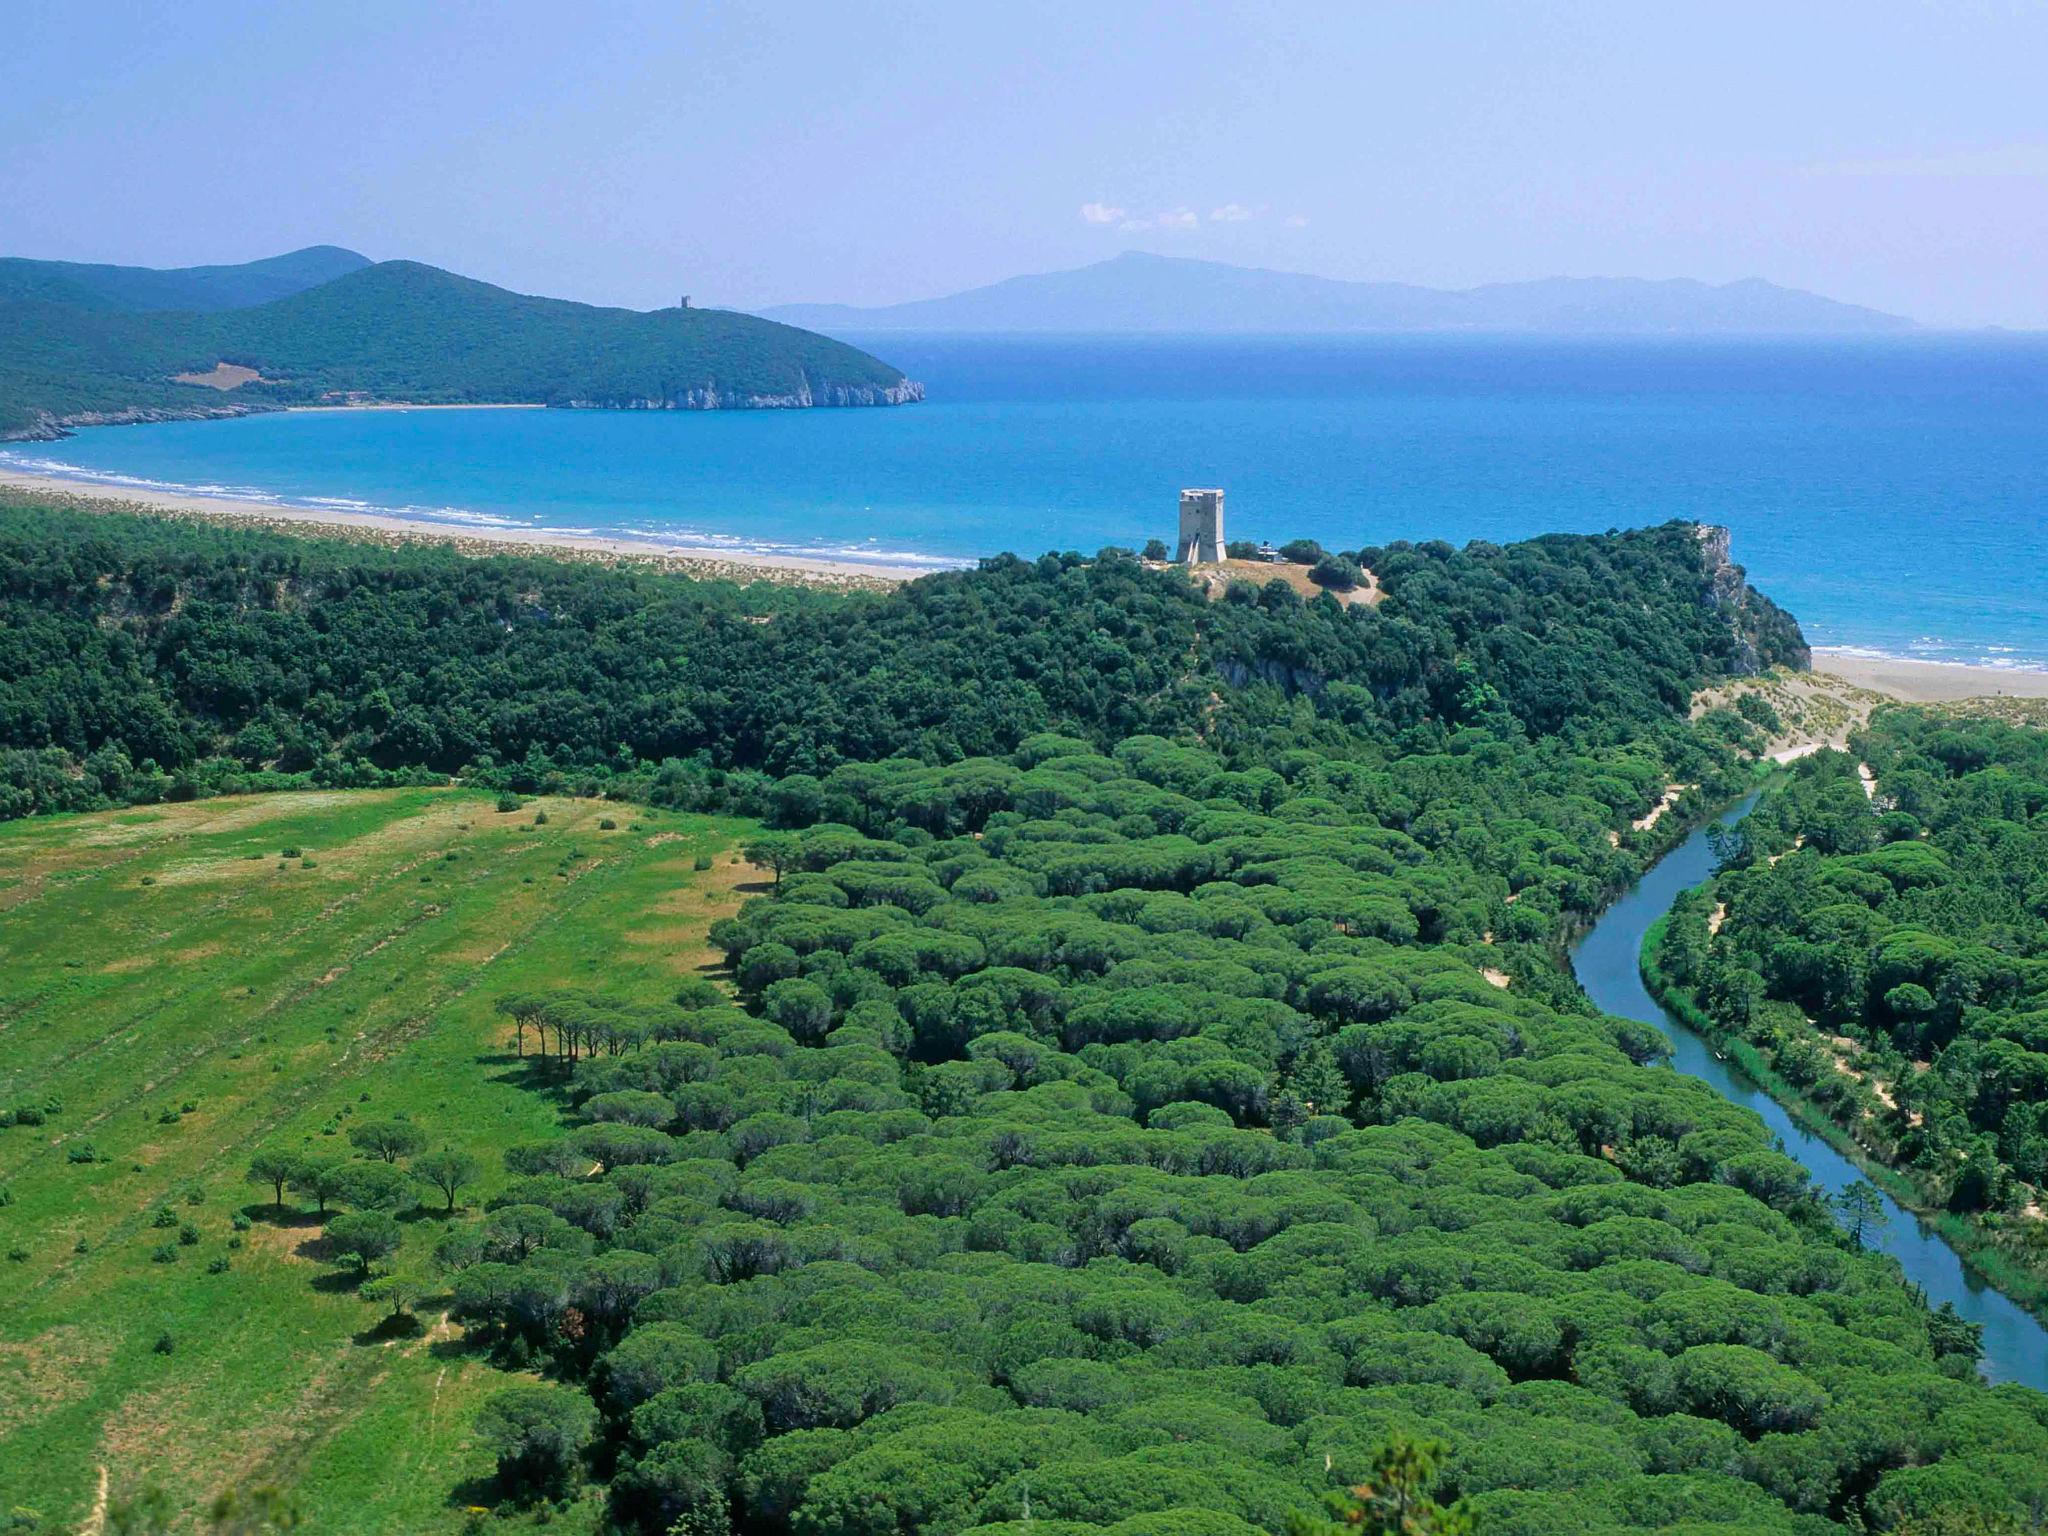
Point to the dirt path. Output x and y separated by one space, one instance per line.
96 1522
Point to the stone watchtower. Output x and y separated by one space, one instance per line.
1201 528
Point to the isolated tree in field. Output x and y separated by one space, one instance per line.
396 1294
775 850
363 1236
375 1187
536 1433
388 1139
319 1179
447 1170
1860 1209
276 1169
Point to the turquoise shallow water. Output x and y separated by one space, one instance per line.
1893 494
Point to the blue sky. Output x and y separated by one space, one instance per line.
1891 154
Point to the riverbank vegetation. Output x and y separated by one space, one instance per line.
1879 942
1138 1097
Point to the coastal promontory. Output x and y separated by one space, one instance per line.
86 346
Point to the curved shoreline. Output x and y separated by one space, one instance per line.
1931 682
703 561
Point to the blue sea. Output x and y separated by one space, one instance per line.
1893 494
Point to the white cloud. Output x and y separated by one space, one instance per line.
1231 213
1295 221
1178 218
1101 213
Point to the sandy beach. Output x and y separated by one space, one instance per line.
1931 682
382 528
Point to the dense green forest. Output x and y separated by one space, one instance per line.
1128 1142
399 330
1886 946
1144 1101
141 658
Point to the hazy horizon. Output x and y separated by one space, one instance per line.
759 155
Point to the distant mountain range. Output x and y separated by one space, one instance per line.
1138 292
82 345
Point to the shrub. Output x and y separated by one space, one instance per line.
217 1265
509 801
164 1343
1336 573
188 1235
164 1218
701 863
606 824
289 851
163 1253
540 818
81 1152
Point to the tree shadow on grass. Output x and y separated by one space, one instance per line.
390 1329
338 1282
548 1081
477 1493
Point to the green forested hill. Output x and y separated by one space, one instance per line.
93 285
209 653
403 331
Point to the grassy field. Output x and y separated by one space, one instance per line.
185 994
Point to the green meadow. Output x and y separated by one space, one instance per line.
182 986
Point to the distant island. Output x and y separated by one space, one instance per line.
86 345
1146 293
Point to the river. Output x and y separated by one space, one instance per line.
1606 964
